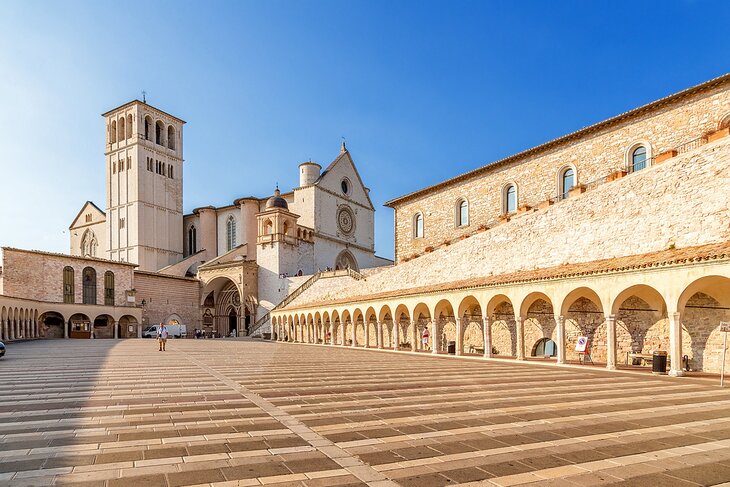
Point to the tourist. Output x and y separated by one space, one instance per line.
424 337
162 336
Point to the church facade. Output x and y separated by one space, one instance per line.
247 255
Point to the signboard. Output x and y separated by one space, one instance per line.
581 344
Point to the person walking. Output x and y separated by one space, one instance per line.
162 336
424 337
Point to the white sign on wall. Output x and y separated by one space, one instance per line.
581 344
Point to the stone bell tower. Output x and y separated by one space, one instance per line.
144 172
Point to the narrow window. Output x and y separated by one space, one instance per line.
192 240
114 131
418 226
89 285
230 233
121 129
269 227
638 159
510 199
158 133
567 181
129 125
171 137
114 167
462 213
109 288
68 285
121 223
147 127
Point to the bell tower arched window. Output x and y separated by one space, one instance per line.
192 240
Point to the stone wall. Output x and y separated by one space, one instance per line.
593 155
681 202
168 297
39 275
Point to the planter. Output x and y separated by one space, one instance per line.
616 175
665 156
719 134
576 190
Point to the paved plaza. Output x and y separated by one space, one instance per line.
235 412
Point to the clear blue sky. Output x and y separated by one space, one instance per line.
421 90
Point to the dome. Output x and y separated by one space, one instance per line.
277 201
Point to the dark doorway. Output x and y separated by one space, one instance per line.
232 322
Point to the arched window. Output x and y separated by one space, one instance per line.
545 347
129 125
192 240
89 244
89 285
286 228
121 129
269 227
114 131
109 288
638 159
171 137
509 199
462 213
68 285
345 260
418 225
147 127
159 132
724 122
169 171
567 181
230 233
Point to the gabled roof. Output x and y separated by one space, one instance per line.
228 258
345 153
83 208
707 85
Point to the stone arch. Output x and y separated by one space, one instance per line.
422 318
583 312
79 326
345 260
724 122
371 318
642 323
220 296
336 328
346 319
104 326
128 326
538 317
470 313
501 313
385 316
402 320
702 306
445 318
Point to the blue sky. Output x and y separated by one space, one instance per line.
421 90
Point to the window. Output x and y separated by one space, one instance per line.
109 288
169 171
230 233
147 127
269 227
159 129
545 348
68 285
89 285
129 163
121 129
509 199
638 159
171 137
192 240
462 213
121 223
567 181
129 125
88 217
345 185
418 226
114 131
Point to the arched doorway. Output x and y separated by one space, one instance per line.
545 347
79 326
233 323
51 325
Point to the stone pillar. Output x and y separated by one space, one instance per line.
560 335
65 329
487 330
366 327
459 335
675 345
415 336
354 334
611 348
520 330
434 336
34 322
379 334
343 330
332 333
4 330
396 335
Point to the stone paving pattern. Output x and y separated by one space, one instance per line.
244 413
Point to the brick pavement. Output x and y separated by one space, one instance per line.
243 413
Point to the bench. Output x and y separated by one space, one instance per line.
640 359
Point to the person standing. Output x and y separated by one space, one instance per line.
424 337
162 336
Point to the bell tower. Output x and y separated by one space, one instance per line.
144 171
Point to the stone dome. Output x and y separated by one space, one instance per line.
277 201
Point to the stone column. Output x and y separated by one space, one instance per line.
675 345
560 335
35 328
487 330
520 330
611 348
396 335
65 329
415 337
459 335
354 334
366 327
434 336
343 330
332 333
379 334
4 330
116 330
